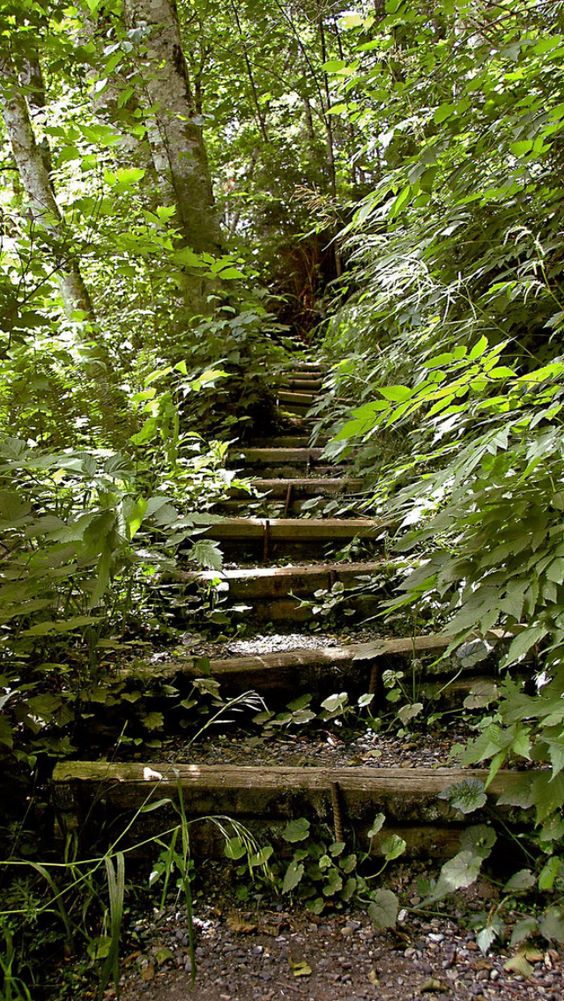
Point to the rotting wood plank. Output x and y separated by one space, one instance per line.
302 384
301 399
302 486
300 668
284 441
295 530
275 456
405 795
275 582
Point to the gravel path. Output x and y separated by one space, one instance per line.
274 955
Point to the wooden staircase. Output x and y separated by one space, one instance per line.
290 471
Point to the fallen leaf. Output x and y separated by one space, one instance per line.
148 972
239 925
373 978
163 954
533 955
301 968
519 964
431 985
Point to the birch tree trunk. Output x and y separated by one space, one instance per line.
33 167
175 134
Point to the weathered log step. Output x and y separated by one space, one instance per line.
266 507
285 471
306 530
286 441
275 456
303 399
306 366
357 665
313 486
303 384
411 797
276 582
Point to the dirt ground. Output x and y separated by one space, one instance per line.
272 955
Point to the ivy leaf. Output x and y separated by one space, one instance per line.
478 839
520 882
456 874
552 924
383 909
392 846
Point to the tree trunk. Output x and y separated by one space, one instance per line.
176 136
33 166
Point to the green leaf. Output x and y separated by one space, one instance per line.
377 825
520 882
552 924
443 112
478 839
396 393
234 848
399 203
522 148
292 876
207 553
230 274
383 909
519 964
465 796
458 873
392 846
478 349
523 642
296 830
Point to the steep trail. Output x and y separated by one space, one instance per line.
309 543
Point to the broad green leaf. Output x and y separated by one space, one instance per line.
296 830
443 112
383 909
520 882
552 924
396 393
292 876
465 796
234 848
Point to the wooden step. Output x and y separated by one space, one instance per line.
275 456
288 396
307 366
277 582
304 487
285 441
354 665
304 384
306 530
409 797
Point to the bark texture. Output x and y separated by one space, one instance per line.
33 164
175 133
